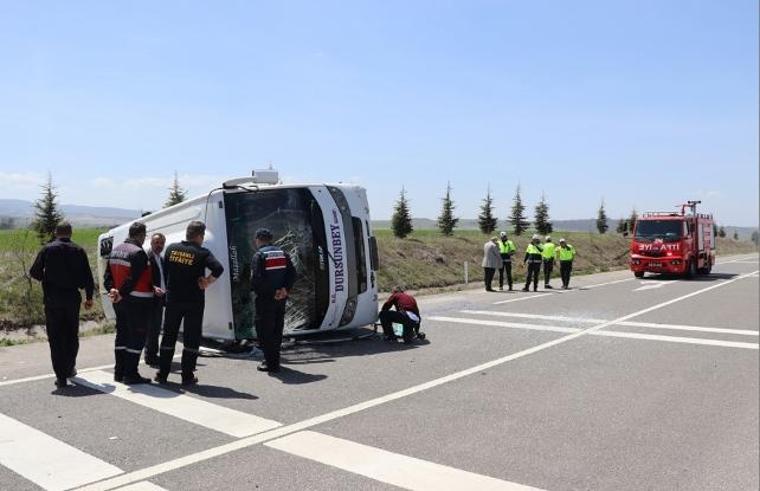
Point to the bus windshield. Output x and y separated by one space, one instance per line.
667 230
295 219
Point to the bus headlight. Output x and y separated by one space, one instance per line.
348 311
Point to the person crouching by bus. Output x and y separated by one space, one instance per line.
407 314
186 281
272 278
129 281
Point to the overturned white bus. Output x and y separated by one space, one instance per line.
325 228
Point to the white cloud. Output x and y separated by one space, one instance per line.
21 180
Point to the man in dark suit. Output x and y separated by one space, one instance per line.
157 243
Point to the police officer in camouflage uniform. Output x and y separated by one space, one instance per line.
272 278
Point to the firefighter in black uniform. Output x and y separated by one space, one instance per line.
63 269
272 277
129 281
186 281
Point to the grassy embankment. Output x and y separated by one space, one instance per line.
424 260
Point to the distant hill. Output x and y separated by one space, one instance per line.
93 216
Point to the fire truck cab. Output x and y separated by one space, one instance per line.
673 243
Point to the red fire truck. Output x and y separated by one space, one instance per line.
673 243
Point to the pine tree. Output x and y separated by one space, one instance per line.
517 218
176 193
736 235
722 232
755 238
541 219
47 215
446 221
715 229
401 222
622 226
486 221
632 220
601 219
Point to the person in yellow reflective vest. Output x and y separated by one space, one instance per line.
533 259
547 254
506 250
565 254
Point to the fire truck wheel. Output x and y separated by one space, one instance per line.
638 274
691 272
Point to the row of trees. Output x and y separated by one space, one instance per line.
47 213
401 221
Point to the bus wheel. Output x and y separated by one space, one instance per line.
706 270
638 274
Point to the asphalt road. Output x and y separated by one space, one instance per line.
618 383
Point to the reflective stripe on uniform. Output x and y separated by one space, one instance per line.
274 260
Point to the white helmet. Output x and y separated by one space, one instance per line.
548 238
536 237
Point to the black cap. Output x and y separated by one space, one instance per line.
264 234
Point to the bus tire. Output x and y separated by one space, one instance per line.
638 274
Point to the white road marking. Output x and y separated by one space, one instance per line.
677 339
45 461
387 467
653 284
149 472
191 409
518 299
52 375
588 320
632 335
605 283
142 486
516 325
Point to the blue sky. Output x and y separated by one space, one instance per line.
643 103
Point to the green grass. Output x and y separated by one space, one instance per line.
20 304
426 259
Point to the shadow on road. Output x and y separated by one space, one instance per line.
216 392
290 376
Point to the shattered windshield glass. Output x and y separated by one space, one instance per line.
295 219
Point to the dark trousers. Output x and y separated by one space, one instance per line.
270 321
565 268
534 269
548 268
388 317
506 266
138 318
122 336
489 274
192 315
62 324
154 329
